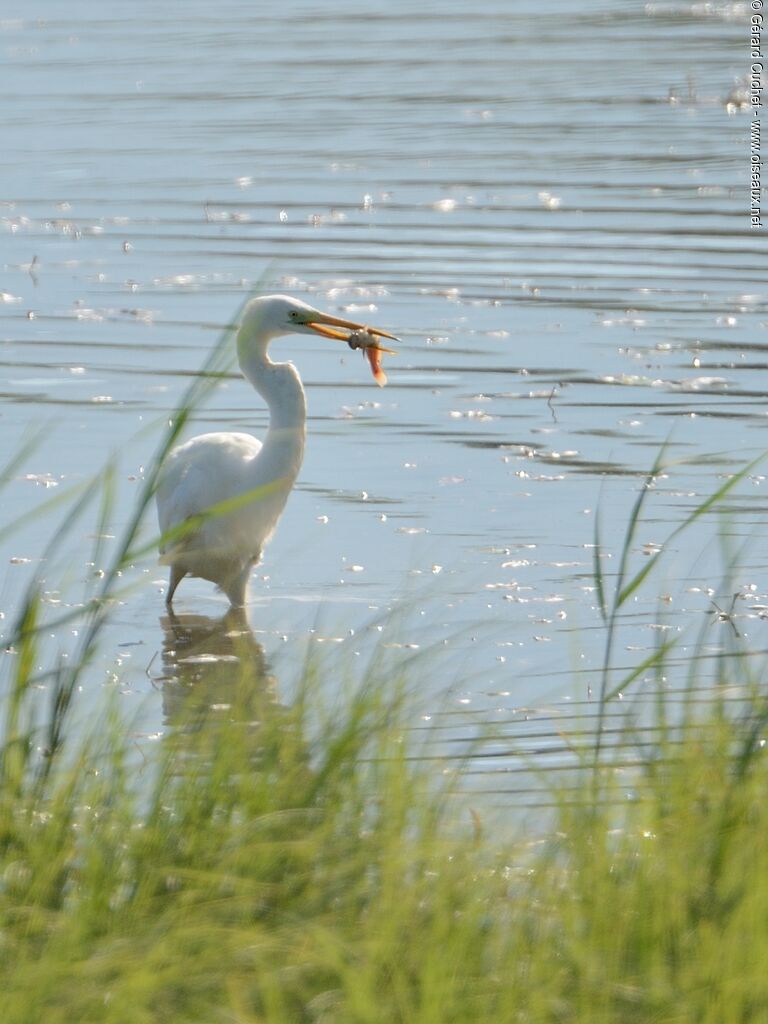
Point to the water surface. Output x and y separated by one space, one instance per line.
550 211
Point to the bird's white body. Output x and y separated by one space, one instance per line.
225 546
231 486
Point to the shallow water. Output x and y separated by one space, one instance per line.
550 212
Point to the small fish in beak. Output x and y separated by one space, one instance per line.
357 337
369 343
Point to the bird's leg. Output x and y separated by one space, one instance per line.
236 588
177 575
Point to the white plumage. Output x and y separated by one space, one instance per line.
230 487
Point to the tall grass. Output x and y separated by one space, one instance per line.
613 599
262 867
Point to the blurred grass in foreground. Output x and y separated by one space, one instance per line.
248 873
285 864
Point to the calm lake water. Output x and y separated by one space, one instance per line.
549 207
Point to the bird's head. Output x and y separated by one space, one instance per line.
269 316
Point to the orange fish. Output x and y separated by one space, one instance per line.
372 350
374 358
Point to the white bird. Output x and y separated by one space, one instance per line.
223 544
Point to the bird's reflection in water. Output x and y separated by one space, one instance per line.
214 668
220 702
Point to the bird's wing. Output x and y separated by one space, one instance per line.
198 475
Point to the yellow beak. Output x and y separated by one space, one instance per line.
324 324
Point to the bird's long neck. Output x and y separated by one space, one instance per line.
280 386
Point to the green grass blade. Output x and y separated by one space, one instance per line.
637 580
17 460
714 499
653 660
634 521
597 569
44 508
193 523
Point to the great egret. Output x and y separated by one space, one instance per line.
220 468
